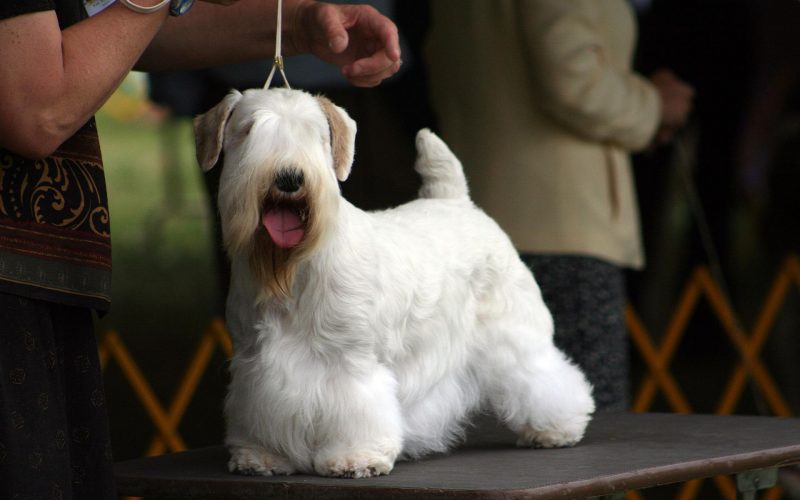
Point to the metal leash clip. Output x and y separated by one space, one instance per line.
277 61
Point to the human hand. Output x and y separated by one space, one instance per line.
357 38
676 103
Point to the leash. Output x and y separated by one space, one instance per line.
277 61
684 149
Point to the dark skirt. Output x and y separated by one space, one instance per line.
54 436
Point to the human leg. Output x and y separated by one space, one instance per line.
586 297
54 439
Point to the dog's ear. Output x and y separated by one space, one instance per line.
343 137
209 130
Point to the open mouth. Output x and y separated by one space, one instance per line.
285 221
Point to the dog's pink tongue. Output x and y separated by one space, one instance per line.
284 227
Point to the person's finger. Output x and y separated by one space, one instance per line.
331 20
368 80
371 24
376 64
387 33
372 79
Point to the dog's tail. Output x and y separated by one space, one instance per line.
441 172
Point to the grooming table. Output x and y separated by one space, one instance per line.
619 452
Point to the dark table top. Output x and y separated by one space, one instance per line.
620 452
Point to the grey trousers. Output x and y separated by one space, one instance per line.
586 297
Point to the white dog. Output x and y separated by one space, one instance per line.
363 337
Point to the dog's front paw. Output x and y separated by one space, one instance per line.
258 462
355 465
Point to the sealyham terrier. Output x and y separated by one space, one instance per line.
364 337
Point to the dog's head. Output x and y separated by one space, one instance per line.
283 152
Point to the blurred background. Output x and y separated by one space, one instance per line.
723 199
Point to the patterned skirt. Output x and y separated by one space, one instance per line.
54 436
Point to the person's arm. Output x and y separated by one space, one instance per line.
357 38
53 81
582 89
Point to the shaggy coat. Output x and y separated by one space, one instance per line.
361 337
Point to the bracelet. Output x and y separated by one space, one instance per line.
142 9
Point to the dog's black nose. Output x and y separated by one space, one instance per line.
289 181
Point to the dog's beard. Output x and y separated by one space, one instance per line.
272 265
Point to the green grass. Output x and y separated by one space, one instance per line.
160 225
164 279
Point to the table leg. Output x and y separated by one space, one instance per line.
748 483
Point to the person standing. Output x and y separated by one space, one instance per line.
539 100
60 60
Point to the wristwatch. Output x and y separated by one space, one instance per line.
180 7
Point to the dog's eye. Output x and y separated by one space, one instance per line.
242 128
246 128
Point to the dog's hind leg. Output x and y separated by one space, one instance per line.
537 391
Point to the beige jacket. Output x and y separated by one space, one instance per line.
538 100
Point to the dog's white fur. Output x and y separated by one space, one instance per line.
380 333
